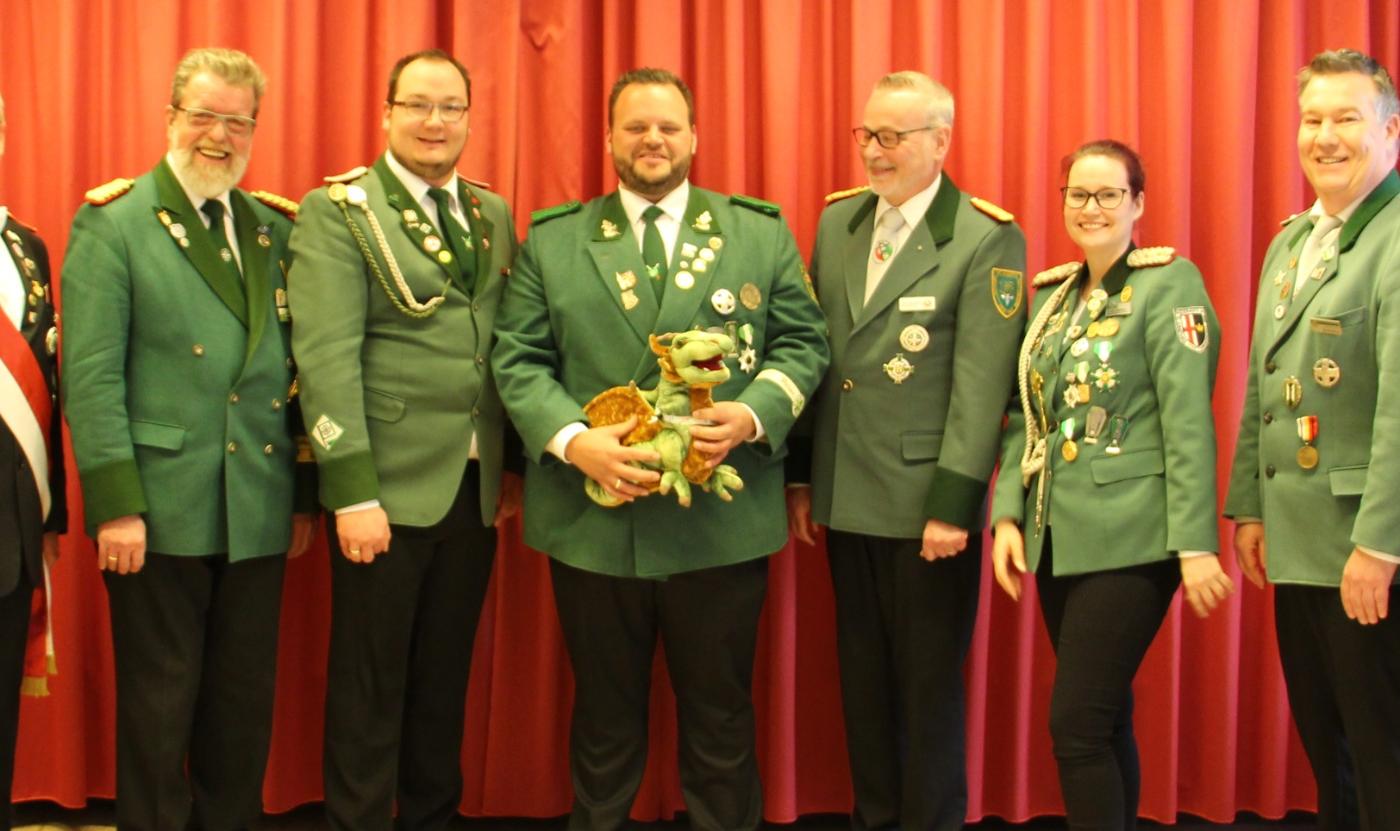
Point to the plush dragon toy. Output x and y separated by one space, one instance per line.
692 364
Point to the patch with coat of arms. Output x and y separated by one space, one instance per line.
1191 328
1008 290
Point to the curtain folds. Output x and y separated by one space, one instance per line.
1203 89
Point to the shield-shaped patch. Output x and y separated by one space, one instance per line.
1191 327
1008 289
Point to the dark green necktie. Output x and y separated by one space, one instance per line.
654 250
214 209
458 239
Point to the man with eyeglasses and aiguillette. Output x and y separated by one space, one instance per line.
178 388
399 269
923 289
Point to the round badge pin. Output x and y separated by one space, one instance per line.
685 280
722 300
914 338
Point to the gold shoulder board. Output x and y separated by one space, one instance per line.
276 202
837 196
1058 274
996 212
1154 256
102 194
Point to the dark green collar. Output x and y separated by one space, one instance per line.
941 217
1118 273
224 281
1378 199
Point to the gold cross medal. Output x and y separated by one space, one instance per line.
1307 431
898 368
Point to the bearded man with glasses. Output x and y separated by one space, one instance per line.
923 292
399 269
178 390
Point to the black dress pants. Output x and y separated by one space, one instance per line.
195 643
1343 683
402 631
14 633
1100 626
708 622
903 629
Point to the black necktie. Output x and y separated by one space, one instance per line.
214 209
458 239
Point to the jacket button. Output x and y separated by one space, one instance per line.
848 385
476 412
480 360
267 450
291 364
233 447
1268 417
198 350
276 403
1269 471
233 398
476 307
1270 367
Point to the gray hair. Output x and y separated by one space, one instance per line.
940 100
1342 61
231 66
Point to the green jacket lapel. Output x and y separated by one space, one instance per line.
618 258
678 305
908 266
425 238
175 206
481 230
253 252
16 247
862 228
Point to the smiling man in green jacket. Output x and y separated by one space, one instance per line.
178 391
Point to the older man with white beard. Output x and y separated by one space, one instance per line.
179 396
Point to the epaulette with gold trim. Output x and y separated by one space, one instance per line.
469 180
545 214
1294 216
837 196
102 194
753 203
278 203
1154 256
1058 274
348 176
996 212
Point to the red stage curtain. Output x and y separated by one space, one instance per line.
1204 89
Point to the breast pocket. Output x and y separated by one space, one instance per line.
1341 333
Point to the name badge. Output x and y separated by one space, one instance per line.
1326 325
917 304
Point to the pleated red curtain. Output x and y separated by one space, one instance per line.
1203 89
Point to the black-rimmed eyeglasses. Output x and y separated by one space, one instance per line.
888 139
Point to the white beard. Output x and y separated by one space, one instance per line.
204 181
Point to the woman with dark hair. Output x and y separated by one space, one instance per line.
1110 453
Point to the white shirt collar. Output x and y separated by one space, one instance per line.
915 207
418 186
1316 212
196 199
673 203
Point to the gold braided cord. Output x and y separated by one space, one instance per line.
1033 456
409 304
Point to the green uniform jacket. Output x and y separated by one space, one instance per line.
1348 316
175 386
566 334
1156 496
390 400
886 456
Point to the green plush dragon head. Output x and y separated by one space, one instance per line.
694 358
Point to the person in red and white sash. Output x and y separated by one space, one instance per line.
32 508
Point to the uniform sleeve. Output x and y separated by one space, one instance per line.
797 465
795 348
1183 378
327 290
1009 495
96 286
984 370
526 359
1377 525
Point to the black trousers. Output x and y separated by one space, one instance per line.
195 643
1343 683
1100 626
708 622
402 631
14 633
903 629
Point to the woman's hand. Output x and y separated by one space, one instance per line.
1008 551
